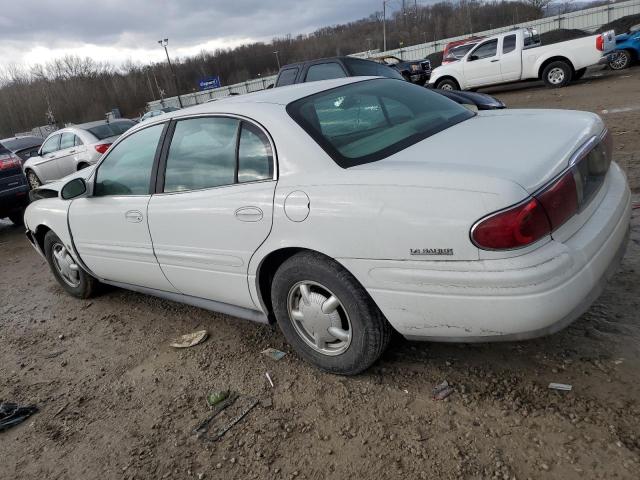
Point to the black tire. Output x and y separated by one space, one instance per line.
86 286
620 60
82 166
33 180
369 330
578 74
557 74
447 84
17 218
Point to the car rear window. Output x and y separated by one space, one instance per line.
367 68
111 129
371 120
287 77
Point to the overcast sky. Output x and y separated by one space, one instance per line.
117 30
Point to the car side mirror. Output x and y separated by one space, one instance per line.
35 153
73 189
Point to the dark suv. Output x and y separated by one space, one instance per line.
14 190
414 71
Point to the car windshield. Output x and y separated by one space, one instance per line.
111 129
371 120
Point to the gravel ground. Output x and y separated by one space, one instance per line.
117 402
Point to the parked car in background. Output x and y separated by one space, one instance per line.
518 55
73 148
24 147
454 51
627 49
346 209
414 71
155 113
13 187
340 67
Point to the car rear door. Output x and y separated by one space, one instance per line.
482 65
214 206
66 155
109 228
510 59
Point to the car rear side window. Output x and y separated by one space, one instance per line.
127 168
324 71
287 77
255 159
509 44
373 119
67 141
51 145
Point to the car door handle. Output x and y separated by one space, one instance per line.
249 214
496 60
72 151
133 216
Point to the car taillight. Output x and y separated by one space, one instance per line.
512 228
102 147
551 207
600 42
8 162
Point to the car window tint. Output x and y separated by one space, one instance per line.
51 145
487 49
349 123
67 141
509 44
255 160
287 77
111 129
324 71
366 68
202 154
461 51
127 168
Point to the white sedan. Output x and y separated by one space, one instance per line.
346 209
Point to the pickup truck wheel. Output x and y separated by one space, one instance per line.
34 181
557 74
620 60
67 272
326 315
447 84
17 218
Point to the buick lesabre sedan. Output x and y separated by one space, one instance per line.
346 209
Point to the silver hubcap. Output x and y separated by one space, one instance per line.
556 76
619 61
446 86
33 180
65 265
319 318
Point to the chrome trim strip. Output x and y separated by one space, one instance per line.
211 305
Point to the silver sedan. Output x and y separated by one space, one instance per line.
71 149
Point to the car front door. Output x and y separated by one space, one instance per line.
109 228
214 206
482 65
47 165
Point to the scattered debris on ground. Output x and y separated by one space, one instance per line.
12 414
565 387
190 339
274 354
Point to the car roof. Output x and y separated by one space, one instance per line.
18 143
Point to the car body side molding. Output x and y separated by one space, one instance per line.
212 305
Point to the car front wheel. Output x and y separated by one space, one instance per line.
67 272
34 181
326 315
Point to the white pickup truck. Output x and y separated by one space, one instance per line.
519 55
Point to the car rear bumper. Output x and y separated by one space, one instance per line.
13 200
532 295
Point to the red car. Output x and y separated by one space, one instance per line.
454 51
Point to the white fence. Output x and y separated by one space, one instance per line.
589 19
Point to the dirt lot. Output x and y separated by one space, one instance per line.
117 402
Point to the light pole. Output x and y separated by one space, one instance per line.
277 58
384 24
164 42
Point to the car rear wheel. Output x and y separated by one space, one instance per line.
34 181
557 74
326 315
620 60
17 218
67 272
82 165
447 84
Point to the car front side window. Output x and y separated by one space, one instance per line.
127 168
485 50
51 145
